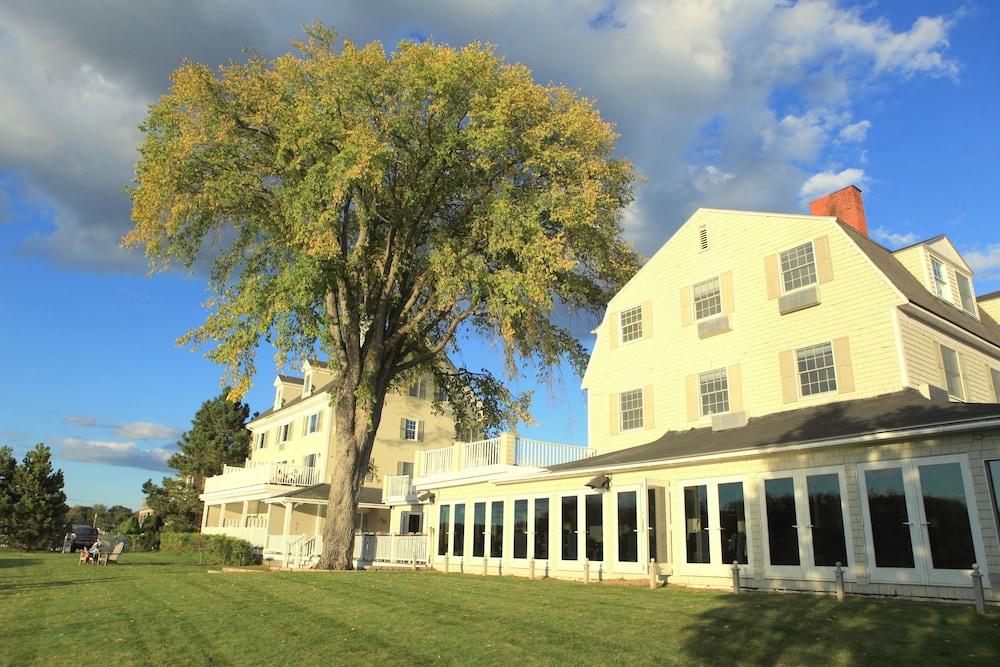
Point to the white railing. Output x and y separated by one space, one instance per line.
234 477
380 548
482 453
436 461
541 454
256 536
257 521
398 487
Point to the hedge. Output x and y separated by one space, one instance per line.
215 549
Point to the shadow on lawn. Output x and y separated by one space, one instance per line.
42 585
760 629
18 562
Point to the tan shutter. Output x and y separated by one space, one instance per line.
824 265
691 382
614 324
789 378
734 378
319 420
402 428
963 368
942 373
845 367
771 276
420 430
685 299
647 319
648 413
613 413
726 287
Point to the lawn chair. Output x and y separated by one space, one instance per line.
112 556
84 556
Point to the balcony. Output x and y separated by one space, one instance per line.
399 489
276 474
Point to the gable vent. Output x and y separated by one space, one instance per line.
703 237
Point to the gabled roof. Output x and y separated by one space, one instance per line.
989 296
985 328
897 411
295 401
290 379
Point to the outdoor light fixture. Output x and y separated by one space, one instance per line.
426 497
601 483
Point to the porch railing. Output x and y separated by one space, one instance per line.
398 487
436 461
504 450
285 474
538 453
482 453
383 548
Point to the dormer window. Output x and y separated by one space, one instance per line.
940 280
965 293
307 385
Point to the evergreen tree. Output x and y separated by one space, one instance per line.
175 503
40 507
8 464
218 436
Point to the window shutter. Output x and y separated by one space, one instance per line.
305 425
420 430
614 327
734 378
613 413
726 288
942 374
648 419
692 397
402 428
789 378
647 319
685 299
423 389
824 265
319 420
771 276
845 367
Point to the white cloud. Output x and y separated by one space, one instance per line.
855 132
107 452
893 239
146 431
758 91
985 263
81 420
826 182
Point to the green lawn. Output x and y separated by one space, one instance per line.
153 609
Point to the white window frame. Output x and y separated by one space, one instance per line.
806 569
923 572
781 271
798 373
694 300
678 528
307 386
313 422
621 324
701 402
943 290
959 275
406 429
284 433
961 376
305 459
417 389
261 439
641 408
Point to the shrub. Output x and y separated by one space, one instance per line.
215 549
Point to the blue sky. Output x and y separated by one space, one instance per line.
758 107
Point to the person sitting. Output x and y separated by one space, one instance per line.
84 556
95 551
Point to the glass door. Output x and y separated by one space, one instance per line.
919 520
714 527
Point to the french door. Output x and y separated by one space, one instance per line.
806 524
712 526
921 522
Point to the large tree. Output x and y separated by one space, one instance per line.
375 205
40 508
8 497
175 504
218 436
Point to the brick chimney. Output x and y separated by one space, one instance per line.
846 204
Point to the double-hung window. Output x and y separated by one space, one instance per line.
284 432
965 293
418 389
952 372
630 323
411 429
817 374
713 387
798 267
630 409
312 423
707 299
940 280
262 440
309 461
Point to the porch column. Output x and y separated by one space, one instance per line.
243 516
289 508
204 516
222 515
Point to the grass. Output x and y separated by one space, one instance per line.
157 609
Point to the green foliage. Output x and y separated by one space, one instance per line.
218 436
175 504
217 549
8 497
40 506
80 515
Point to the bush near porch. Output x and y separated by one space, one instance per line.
158 608
213 549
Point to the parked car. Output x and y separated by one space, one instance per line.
83 537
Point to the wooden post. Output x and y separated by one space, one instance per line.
446 563
977 589
736 577
531 568
586 571
653 576
839 578
485 565
413 561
